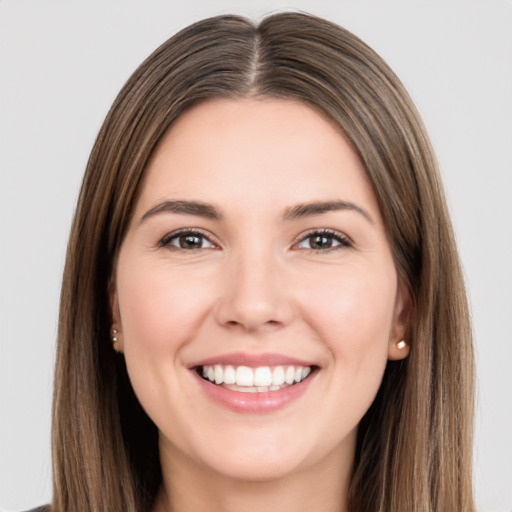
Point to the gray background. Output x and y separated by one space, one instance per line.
61 65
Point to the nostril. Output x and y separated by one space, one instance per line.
248 326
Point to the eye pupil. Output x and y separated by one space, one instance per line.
320 242
190 241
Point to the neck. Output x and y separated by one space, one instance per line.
189 487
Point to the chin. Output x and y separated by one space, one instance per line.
259 455
262 469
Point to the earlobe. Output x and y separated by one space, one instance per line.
398 350
116 338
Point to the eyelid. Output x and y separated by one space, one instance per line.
344 240
164 241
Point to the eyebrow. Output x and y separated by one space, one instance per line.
317 208
209 211
184 208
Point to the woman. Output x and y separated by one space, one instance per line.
262 303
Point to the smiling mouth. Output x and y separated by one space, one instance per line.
254 380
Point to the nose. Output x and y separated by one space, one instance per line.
255 295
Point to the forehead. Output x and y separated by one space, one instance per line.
266 151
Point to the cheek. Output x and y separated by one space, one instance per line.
160 311
354 312
160 307
354 316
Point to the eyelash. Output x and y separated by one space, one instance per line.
342 240
175 235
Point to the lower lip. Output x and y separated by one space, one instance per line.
255 403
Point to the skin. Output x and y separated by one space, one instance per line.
256 285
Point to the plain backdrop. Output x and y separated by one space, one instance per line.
61 65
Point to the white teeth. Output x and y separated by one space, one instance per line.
305 372
244 376
252 380
250 389
262 376
278 376
219 377
289 375
229 375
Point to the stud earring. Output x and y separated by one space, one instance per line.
114 339
401 345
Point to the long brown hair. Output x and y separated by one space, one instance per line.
414 444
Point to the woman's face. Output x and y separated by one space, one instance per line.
257 257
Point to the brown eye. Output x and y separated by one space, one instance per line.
187 240
323 241
320 242
190 241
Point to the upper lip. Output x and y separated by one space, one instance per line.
252 360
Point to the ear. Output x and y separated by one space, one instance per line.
398 346
116 333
